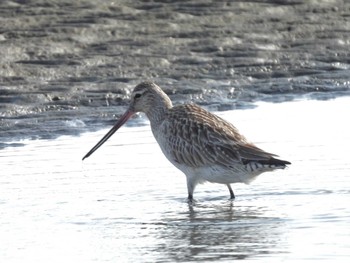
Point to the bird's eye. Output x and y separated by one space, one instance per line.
137 96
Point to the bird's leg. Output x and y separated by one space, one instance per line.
190 188
232 195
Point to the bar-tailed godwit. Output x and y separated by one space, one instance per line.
202 145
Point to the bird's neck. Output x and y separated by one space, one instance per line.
157 112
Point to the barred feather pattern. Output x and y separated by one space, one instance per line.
201 144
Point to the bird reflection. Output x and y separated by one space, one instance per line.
216 231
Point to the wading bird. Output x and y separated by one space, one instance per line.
202 145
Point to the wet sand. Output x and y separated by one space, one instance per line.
69 63
126 203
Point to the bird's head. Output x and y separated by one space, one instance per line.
146 97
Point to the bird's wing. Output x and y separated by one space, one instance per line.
197 138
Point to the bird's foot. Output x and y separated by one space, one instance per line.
190 199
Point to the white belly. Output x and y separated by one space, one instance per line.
218 174
238 173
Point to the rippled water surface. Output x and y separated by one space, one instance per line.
126 203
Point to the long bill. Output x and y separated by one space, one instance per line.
119 124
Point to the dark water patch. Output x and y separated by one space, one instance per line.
50 62
15 144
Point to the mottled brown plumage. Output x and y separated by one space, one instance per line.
202 145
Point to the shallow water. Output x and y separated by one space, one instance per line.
126 203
